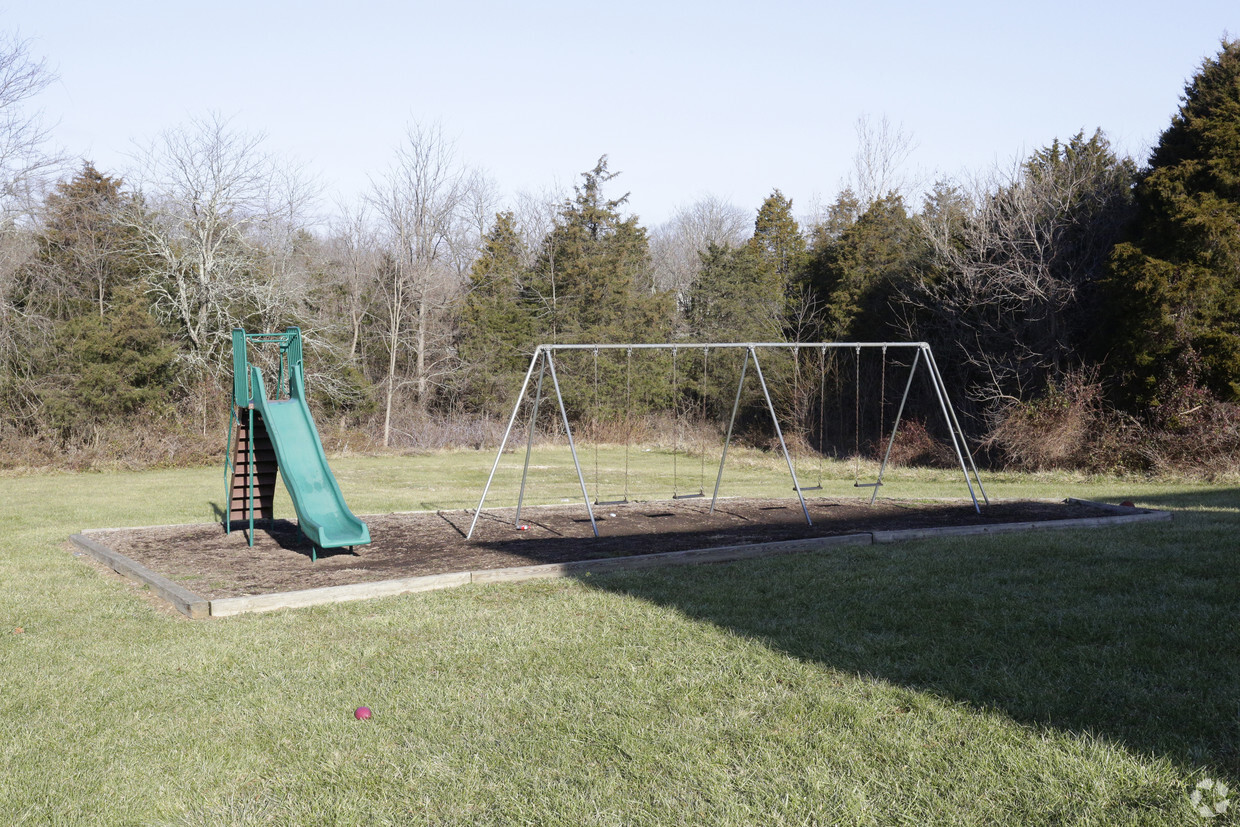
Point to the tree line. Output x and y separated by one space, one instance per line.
1085 307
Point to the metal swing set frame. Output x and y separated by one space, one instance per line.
544 359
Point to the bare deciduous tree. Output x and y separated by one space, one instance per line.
536 214
1014 261
209 217
480 203
24 165
878 165
24 161
216 220
676 246
354 249
419 206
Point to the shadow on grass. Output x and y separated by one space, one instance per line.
1132 634
1211 498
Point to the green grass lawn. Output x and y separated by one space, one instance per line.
1085 677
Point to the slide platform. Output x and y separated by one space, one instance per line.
321 511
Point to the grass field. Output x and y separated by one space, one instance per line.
1087 677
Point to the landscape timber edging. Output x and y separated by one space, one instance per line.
227 606
198 607
1143 515
181 598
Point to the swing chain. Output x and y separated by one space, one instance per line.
628 416
857 421
822 411
882 403
675 426
702 424
796 411
596 425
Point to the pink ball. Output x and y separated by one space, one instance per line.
362 713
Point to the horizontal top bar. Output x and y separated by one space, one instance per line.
695 345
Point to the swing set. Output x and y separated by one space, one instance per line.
831 356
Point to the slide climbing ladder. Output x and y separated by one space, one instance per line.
242 499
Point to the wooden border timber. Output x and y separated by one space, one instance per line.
181 598
1145 515
197 607
227 606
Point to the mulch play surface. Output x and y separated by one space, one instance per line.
213 564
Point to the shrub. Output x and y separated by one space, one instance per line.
1051 432
916 446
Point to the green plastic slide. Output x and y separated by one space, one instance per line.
321 511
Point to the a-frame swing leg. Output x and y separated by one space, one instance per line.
572 447
779 433
516 408
964 443
529 441
941 392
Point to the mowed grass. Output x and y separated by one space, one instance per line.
1084 677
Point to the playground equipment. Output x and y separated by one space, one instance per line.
544 360
270 435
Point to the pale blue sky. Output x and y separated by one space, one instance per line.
687 97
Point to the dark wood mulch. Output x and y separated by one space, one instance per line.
215 564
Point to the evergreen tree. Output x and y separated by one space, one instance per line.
840 216
777 238
733 298
105 358
856 266
83 250
108 368
593 280
1174 287
497 330
780 249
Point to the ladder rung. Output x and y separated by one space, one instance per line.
261 469
262 477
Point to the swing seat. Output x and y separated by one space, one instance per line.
867 485
611 502
699 495
807 488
